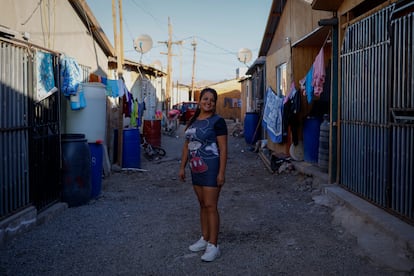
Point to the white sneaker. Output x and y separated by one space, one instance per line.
199 245
212 252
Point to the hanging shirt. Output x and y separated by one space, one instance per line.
318 76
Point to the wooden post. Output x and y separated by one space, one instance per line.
119 57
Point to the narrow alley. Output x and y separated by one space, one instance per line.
144 221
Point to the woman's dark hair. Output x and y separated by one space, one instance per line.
198 110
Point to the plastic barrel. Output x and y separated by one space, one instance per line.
76 169
131 148
323 156
96 168
311 130
251 121
152 132
90 120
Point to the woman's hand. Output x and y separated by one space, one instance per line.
181 174
220 179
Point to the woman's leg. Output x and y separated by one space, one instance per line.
203 212
210 212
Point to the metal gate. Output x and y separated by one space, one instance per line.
376 152
402 111
29 135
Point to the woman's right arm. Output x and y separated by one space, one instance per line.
184 159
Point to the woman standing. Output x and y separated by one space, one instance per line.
205 150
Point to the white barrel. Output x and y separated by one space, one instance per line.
90 120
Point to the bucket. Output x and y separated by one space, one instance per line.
90 120
251 131
76 169
311 129
131 148
77 101
96 168
152 132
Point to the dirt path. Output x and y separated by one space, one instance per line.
144 221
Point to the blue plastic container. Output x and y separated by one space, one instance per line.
96 168
76 169
311 129
131 148
251 131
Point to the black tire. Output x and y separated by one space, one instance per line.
159 151
236 133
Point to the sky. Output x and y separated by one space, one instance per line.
220 28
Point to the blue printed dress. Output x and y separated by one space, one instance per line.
203 152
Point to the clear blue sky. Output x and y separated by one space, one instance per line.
220 27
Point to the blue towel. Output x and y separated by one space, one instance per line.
71 75
308 85
272 116
45 75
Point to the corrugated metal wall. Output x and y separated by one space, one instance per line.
29 134
402 115
376 153
14 128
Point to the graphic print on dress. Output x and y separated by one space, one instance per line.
197 163
201 152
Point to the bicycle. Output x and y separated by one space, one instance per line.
151 152
237 130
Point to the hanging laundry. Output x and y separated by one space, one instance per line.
71 75
227 102
134 114
45 77
272 116
112 88
306 85
291 111
292 90
122 90
318 77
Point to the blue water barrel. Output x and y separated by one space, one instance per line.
311 129
251 131
131 148
96 168
76 169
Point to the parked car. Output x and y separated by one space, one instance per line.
187 110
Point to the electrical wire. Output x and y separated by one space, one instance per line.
33 12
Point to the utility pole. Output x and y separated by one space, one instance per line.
119 51
194 44
169 54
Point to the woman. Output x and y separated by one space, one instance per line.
205 149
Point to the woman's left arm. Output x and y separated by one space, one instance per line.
222 145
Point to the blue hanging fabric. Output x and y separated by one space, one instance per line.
273 116
45 77
71 75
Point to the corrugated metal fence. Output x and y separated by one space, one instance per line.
402 114
29 134
376 153
14 128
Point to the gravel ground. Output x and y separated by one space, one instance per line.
143 223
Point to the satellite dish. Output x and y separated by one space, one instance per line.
244 55
143 43
157 64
